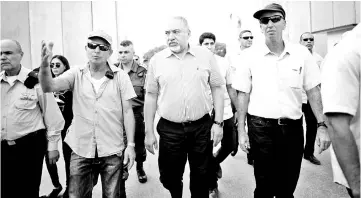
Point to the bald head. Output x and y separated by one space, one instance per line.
11 55
18 46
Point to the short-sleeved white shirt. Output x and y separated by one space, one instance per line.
274 82
226 73
341 88
318 60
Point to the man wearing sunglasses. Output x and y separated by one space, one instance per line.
31 125
307 40
102 113
137 75
270 84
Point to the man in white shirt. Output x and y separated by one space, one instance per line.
341 94
308 40
229 140
245 39
270 84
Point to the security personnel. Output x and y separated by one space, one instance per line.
31 123
137 75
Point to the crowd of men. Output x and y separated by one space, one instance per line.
254 98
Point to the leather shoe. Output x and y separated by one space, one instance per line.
142 177
213 193
312 159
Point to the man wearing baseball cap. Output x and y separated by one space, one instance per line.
270 84
102 113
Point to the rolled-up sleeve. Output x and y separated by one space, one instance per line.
151 82
216 78
67 79
127 88
53 119
341 79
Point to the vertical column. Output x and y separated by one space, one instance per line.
15 25
104 17
76 25
45 24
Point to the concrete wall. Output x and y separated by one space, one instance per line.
67 23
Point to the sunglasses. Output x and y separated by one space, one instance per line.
308 39
57 65
274 19
101 47
247 37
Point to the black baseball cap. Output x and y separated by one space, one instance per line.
273 7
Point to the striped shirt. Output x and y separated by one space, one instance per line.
182 84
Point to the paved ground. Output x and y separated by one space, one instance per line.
237 181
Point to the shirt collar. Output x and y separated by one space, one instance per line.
133 68
23 74
169 53
112 67
265 50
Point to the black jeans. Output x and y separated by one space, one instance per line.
139 136
53 169
229 141
311 129
177 142
277 151
22 165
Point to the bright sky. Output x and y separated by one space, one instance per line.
145 26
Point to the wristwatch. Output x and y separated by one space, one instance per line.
219 123
321 124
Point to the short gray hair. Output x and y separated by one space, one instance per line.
184 21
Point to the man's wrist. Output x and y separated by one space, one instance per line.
131 144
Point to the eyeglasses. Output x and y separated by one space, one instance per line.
57 65
247 37
274 19
101 47
308 39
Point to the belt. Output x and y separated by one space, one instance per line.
195 122
22 139
279 121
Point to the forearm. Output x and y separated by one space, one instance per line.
129 124
233 96
46 79
314 98
345 148
243 101
218 102
150 108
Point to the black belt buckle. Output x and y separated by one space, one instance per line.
279 121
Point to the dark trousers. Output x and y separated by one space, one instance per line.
22 165
311 129
84 173
177 142
277 151
139 136
53 169
229 141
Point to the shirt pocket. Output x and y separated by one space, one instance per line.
26 110
292 77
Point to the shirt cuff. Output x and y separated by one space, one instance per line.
53 141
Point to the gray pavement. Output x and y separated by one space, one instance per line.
237 182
